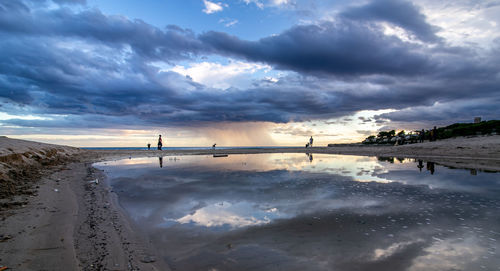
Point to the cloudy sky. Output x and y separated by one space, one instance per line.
243 72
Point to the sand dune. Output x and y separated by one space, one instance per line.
22 161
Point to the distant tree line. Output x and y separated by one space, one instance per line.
454 130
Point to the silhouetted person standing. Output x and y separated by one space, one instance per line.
149 146
160 143
311 141
422 136
434 134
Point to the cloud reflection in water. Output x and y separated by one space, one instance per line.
292 213
236 215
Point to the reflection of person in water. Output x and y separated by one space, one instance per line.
430 167
420 165
160 159
310 157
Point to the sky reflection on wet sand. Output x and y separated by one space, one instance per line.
297 212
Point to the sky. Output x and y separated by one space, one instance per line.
117 73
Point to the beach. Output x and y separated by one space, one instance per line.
58 212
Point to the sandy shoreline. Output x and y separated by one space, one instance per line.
481 152
55 217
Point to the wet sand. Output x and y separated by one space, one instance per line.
55 217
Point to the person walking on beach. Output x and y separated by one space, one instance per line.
311 141
422 136
149 146
160 143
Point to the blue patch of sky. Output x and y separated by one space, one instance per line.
253 22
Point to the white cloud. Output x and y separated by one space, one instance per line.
217 75
6 116
228 22
384 253
271 79
221 214
279 2
258 3
211 7
450 254
401 33
269 3
464 22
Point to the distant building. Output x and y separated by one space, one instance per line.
477 119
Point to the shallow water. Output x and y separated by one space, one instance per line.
311 212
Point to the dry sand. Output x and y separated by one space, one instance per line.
55 217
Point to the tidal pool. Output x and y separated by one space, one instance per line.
311 212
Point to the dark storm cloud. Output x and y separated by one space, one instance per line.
96 70
274 105
342 48
13 6
91 25
363 119
457 111
66 78
401 13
